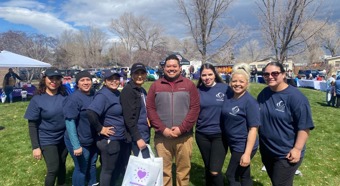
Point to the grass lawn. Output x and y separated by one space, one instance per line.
321 165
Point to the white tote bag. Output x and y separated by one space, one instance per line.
3 97
144 172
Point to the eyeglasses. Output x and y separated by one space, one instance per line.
273 74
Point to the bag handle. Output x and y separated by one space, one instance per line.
152 155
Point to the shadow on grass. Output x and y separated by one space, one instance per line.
256 183
323 104
197 174
69 173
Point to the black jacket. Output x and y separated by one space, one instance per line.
130 99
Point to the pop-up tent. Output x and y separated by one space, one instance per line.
9 59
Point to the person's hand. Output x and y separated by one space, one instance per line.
78 152
37 153
167 133
107 131
141 144
245 160
294 155
175 132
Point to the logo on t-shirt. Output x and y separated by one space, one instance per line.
234 111
220 96
280 106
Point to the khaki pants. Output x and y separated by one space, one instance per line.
179 148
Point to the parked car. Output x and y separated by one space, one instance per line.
305 73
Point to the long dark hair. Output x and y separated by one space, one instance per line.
42 88
218 78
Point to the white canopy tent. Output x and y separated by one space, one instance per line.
9 59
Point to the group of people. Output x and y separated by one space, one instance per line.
231 118
87 124
333 91
113 123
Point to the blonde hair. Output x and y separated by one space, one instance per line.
243 69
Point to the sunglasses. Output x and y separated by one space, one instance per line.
273 74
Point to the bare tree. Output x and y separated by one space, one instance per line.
283 23
225 57
206 21
124 29
330 37
67 53
14 41
84 48
139 35
251 51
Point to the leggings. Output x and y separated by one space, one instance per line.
213 152
55 159
236 174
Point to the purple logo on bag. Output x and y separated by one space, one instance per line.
141 176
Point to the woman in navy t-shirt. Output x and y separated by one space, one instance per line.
240 120
208 135
47 126
286 121
106 116
80 137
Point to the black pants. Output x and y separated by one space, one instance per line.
236 174
109 153
280 171
213 152
55 159
338 100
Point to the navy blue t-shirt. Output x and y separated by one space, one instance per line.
283 114
211 100
75 108
47 110
238 115
107 105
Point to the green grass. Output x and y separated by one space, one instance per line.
321 165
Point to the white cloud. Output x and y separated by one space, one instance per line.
45 23
24 4
51 17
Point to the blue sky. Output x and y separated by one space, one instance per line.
52 17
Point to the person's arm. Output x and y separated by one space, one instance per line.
33 132
129 103
93 118
194 109
251 139
18 77
294 154
72 133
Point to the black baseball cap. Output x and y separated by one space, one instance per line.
109 74
138 66
53 72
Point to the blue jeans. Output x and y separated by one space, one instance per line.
9 93
84 165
